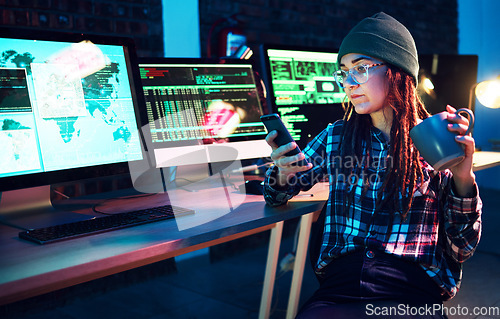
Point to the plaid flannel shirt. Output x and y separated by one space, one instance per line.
440 232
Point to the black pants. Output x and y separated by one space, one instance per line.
372 284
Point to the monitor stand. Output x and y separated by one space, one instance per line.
186 175
31 208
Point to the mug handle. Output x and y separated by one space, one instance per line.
470 117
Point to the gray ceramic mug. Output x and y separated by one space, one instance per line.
436 143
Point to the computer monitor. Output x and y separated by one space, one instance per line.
69 110
201 111
301 88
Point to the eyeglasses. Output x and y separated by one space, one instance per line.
359 74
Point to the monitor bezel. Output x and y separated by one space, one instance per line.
266 70
10 183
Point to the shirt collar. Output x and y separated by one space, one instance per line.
380 137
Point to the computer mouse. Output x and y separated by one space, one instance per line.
253 187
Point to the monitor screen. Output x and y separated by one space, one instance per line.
301 88
69 109
201 111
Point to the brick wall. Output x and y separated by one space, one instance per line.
312 23
324 23
139 19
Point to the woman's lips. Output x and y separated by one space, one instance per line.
355 96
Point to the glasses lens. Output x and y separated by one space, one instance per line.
339 77
360 73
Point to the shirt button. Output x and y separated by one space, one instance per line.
370 254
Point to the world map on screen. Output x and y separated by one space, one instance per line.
70 121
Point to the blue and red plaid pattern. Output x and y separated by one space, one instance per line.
440 231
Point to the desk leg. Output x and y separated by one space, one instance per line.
270 276
298 266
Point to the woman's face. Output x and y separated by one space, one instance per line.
369 97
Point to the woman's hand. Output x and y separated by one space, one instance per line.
463 175
286 169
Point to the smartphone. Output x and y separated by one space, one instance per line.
273 122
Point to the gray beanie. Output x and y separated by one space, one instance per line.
383 37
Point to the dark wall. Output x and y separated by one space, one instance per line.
139 19
324 23
312 23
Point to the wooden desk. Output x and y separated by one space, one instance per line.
483 160
28 269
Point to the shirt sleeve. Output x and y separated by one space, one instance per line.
315 152
462 224
275 196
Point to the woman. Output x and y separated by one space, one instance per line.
395 230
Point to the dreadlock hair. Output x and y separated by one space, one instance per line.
404 167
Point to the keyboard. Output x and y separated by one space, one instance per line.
102 224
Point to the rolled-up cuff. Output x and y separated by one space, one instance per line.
273 194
